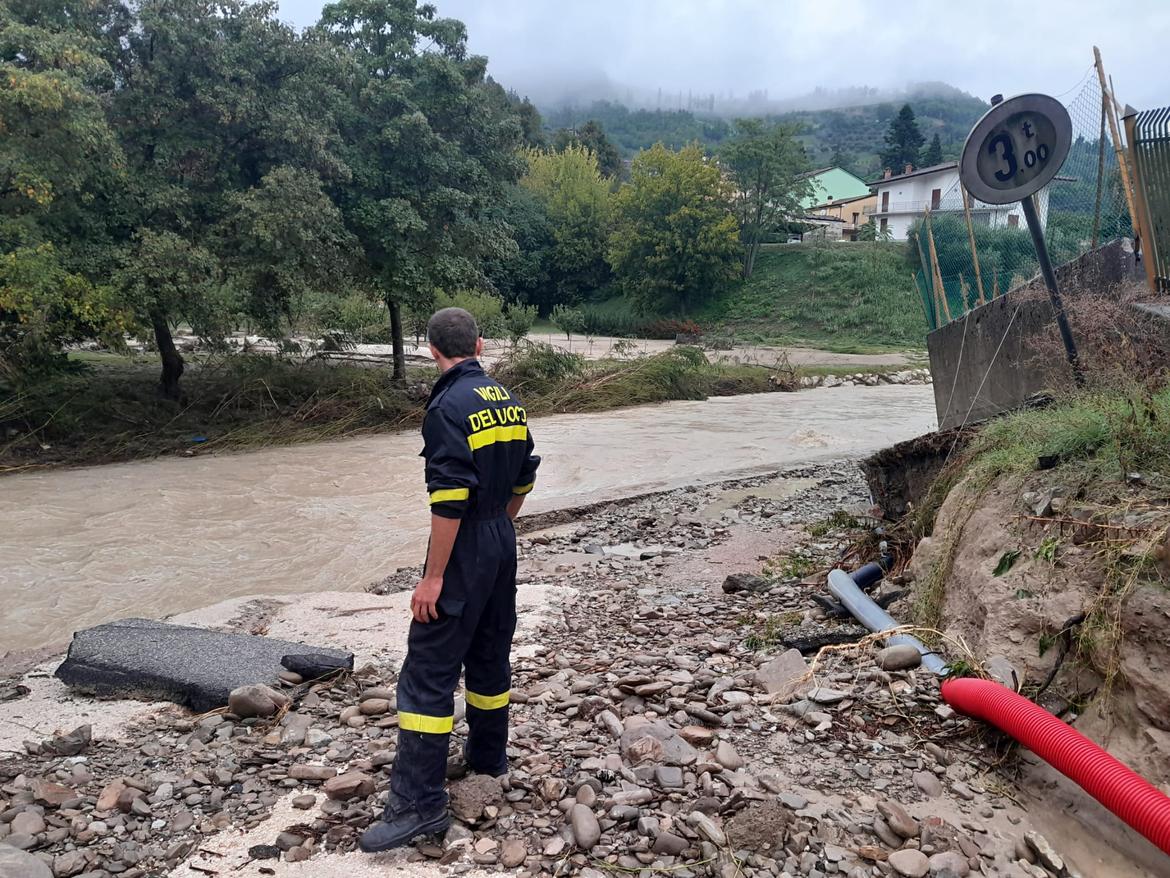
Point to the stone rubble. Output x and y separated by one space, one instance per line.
659 724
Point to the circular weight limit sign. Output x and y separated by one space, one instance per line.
1016 148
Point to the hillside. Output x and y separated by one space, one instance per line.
844 297
855 133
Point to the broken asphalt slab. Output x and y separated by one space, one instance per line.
195 667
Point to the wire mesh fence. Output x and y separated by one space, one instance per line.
967 253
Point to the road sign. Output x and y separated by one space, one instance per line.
1016 148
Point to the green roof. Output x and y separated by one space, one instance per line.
834 184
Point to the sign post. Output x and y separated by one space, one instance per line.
1013 152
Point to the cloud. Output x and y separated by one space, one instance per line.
789 48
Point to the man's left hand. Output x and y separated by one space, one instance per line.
425 597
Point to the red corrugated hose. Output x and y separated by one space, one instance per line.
1124 792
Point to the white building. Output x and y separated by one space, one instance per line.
902 199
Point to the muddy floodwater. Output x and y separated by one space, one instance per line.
84 546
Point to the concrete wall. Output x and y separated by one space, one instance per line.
999 342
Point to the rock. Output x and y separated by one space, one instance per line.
909 862
951 862
108 798
1004 672
470 796
669 844
726 756
298 854
668 776
71 744
655 741
825 695
900 657
1045 853
513 853
17 864
898 820
697 735
51 795
351 785
255 700
784 676
312 772
707 828
761 827
383 692
304 803
928 783
286 841
195 667
69 863
374 706
749 582
264 852
586 829
28 823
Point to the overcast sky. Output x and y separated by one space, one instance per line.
790 48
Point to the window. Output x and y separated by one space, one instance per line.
1014 220
885 224
855 216
935 199
885 201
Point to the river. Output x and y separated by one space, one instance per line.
84 546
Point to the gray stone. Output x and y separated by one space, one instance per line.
825 695
28 823
140 658
655 741
784 675
898 820
909 862
668 776
902 657
951 862
17 864
669 844
586 829
255 700
513 853
726 756
1045 853
930 785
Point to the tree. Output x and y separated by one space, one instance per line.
766 163
215 95
568 320
429 150
531 125
576 200
903 141
522 276
674 239
592 136
933 154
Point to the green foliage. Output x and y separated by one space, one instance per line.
488 310
567 320
933 154
576 200
591 136
768 166
518 321
1006 562
43 306
634 130
523 275
674 240
903 141
429 148
536 369
841 297
837 520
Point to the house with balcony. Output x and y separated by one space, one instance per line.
900 200
836 205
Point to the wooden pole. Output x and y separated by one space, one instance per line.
971 238
942 290
1122 160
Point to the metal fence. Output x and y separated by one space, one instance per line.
967 253
1149 136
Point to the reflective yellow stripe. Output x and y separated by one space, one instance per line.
492 435
448 494
488 702
524 489
432 725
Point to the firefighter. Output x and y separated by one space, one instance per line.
479 469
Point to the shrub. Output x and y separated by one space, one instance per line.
536 368
488 310
567 320
518 320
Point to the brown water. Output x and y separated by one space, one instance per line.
84 546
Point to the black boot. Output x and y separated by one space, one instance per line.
416 804
402 828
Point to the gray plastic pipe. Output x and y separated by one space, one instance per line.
874 618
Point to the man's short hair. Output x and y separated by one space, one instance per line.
453 333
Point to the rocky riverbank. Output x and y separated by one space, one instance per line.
662 722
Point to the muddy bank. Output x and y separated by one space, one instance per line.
80 547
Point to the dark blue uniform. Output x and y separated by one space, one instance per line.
479 456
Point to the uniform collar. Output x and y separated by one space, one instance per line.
465 367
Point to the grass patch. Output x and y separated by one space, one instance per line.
839 520
769 632
847 298
790 566
109 410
